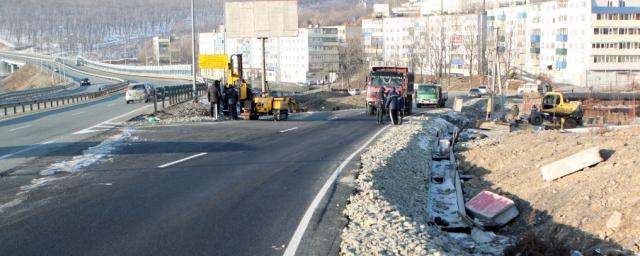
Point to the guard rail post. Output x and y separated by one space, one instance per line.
155 102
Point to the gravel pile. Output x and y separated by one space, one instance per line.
388 213
187 112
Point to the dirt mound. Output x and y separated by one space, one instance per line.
594 210
29 77
327 101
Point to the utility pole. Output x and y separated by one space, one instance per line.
483 42
450 59
498 76
193 51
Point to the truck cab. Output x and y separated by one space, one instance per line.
430 95
386 78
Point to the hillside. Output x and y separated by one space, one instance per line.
28 77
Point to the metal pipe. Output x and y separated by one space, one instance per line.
193 51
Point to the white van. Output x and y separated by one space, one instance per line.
528 88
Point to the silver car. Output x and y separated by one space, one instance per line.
136 92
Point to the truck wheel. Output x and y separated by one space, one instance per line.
570 123
536 119
418 105
371 110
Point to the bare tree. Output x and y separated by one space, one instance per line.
351 59
470 38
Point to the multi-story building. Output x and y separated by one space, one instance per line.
425 44
577 42
615 43
311 57
324 52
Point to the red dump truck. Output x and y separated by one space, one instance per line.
385 78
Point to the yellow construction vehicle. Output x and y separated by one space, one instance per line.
254 106
556 107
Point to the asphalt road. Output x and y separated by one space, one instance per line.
246 196
226 188
19 136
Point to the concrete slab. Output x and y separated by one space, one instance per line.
457 104
489 205
569 165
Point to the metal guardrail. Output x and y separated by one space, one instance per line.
32 92
171 71
179 94
24 107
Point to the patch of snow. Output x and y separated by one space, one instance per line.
88 157
10 204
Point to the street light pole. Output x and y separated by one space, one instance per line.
193 51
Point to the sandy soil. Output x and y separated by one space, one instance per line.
28 77
594 210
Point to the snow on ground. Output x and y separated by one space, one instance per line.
90 156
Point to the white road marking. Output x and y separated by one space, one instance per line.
288 130
20 128
108 123
304 222
181 160
79 113
26 149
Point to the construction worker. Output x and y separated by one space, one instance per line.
401 108
393 105
380 102
232 101
214 98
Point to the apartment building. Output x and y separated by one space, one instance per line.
310 58
577 42
425 44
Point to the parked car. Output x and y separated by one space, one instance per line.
354 92
484 90
85 82
136 92
475 93
528 88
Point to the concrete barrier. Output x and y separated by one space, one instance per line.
569 165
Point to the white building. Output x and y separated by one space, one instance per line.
578 42
311 57
424 44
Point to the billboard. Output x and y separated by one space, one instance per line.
213 61
261 18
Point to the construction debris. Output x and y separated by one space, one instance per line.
569 165
491 209
388 214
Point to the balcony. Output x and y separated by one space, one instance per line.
535 38
562 38
561 51
535 50
522 16
561 64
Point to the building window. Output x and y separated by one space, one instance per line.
621 3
